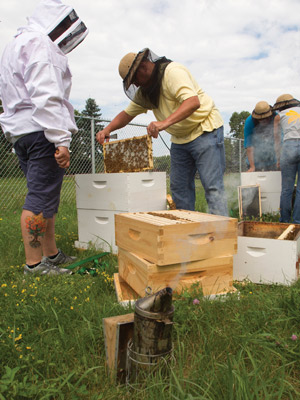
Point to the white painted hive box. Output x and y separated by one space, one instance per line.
124 192
96 227
262 257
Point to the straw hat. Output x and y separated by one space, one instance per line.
129 65
262 110
285 100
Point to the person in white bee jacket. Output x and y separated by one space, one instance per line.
38 119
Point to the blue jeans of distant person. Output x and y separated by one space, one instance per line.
290 167
206 155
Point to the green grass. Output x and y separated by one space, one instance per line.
52 344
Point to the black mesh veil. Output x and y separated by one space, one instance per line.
147 97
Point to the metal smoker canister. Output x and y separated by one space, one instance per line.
152 333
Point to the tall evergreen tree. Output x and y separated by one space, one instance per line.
91 109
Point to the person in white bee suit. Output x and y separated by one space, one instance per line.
38 119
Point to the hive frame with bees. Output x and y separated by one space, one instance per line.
128 155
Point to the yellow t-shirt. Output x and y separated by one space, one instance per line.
178 85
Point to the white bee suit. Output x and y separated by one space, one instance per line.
35 79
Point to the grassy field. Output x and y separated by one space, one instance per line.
52 346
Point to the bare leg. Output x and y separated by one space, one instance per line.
49 243
38 236
33 229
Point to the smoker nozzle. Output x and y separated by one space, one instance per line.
160 302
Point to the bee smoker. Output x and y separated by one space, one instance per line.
152 334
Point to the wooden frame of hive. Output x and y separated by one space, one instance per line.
128 155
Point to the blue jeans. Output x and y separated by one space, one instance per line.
207 156
290 167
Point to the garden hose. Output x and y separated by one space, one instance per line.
88 270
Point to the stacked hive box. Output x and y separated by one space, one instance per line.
176 248
101 196
270 188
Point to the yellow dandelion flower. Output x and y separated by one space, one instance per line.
72 308
18 338
4 285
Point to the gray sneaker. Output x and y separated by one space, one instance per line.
61 258
46 268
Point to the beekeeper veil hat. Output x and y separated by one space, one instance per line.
60 22
147 97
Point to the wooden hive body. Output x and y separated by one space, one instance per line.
214 275
176 236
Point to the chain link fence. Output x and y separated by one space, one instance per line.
87 157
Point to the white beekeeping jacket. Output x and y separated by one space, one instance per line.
35 80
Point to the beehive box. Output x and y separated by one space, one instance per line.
263 257
214 275
270 202
176 236
128 155
100 196
270 187
96 227
124 192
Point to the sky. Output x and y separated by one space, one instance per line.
239 51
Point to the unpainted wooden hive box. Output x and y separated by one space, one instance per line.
213 275
176 236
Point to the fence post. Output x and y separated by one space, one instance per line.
240 154
93 143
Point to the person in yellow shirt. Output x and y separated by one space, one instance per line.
185 111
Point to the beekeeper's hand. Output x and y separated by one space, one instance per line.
154 128
62 156
103 136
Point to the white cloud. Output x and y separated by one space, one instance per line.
240 51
